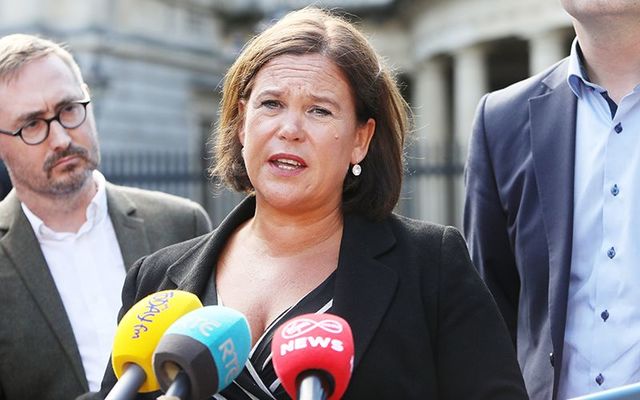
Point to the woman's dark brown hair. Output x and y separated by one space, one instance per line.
314 31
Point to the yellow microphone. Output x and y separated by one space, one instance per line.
137 336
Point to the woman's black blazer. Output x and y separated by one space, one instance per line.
424 324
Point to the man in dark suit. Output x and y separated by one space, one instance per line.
551 207
67 236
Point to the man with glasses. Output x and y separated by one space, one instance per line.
66 235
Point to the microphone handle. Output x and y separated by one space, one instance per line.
180 387
128 384
311 387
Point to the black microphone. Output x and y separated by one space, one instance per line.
202 353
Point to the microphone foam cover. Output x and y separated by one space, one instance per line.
141 328
210 344
313 342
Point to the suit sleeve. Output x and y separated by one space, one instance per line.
485 225
475 358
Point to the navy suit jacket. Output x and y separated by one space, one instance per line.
519 214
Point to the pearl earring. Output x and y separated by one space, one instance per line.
356 170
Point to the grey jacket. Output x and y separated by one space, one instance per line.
39 358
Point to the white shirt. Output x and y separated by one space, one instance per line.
602 336
89 272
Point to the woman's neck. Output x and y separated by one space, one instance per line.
281 234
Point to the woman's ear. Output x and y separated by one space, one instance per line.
364 134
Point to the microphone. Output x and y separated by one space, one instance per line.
202 353
627 392
137 335
313 356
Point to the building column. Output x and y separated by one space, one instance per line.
433 129
470 83
545 49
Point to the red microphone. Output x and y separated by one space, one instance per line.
313 356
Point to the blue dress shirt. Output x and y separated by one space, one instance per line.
602 336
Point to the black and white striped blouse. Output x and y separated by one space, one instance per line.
258 380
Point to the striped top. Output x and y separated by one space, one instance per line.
258 380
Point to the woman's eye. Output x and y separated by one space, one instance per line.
270 103
320 111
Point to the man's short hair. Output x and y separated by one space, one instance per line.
19 49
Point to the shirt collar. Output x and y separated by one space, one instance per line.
577 76
95 213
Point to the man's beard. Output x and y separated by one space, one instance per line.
75 175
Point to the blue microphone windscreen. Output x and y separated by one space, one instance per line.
222 331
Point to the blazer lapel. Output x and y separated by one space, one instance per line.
362 282
22 248
553 145
130 229
193 274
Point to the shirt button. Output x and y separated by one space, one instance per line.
618 128
611 252
615 190
551 359
604 315
599 379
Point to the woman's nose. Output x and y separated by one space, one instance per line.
292 126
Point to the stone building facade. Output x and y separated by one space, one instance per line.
155 69
455 51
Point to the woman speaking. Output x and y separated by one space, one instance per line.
312 128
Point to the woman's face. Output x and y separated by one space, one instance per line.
300 133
